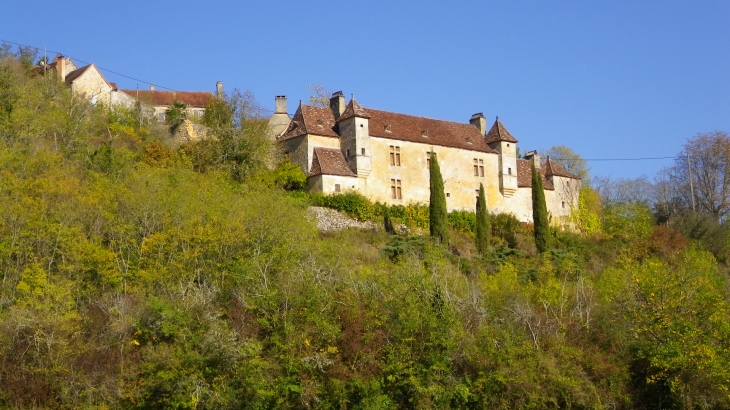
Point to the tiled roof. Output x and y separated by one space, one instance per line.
405 127
329 161
499 133
550 168
77 73
524 175
353 109
190 98
311 120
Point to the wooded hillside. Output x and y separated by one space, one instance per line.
141 273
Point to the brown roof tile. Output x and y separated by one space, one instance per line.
499 133
311 120
77 73
190 98
524 175
353 109
329 161
405 127
551 168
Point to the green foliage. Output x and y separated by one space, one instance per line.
132 280
709 234
539 213
353 203
218 114
483 228
587 216
387 223
289 176
438 222
629 221
176 113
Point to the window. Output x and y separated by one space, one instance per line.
348 153
563 203
363 151
395 189
394 155
424 133
448 195
509 171
337 187
478 167
161 117
387 128
428 159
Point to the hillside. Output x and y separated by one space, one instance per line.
138 272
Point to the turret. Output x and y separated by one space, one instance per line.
501 140
354 132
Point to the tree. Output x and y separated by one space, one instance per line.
709 157
483 226
540 213
320 96
570 160
438 217
176 113
387 223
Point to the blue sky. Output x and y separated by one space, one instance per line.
609 79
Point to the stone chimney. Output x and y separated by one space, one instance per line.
152 87
61 67
219 90
480 122
337 104
532 156
280 104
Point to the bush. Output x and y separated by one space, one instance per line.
352 203
463 221
506 227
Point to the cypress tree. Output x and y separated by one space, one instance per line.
438 218
483 226
539 213
388 224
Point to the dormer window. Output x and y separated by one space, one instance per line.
387 128
424 133
319 122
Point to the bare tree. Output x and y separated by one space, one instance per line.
570 160
320 97
709 156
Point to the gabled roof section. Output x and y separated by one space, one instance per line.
190 98
311 120
385 124
552 168
524 175
499 133
329 161
353 109
73 75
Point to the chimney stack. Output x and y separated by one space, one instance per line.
61 67
219 90
280 104
480 122
152 87
337 104
534 157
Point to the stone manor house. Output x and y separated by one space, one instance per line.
89 81
385 156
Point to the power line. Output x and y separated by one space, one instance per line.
86 62
107 70
612 159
